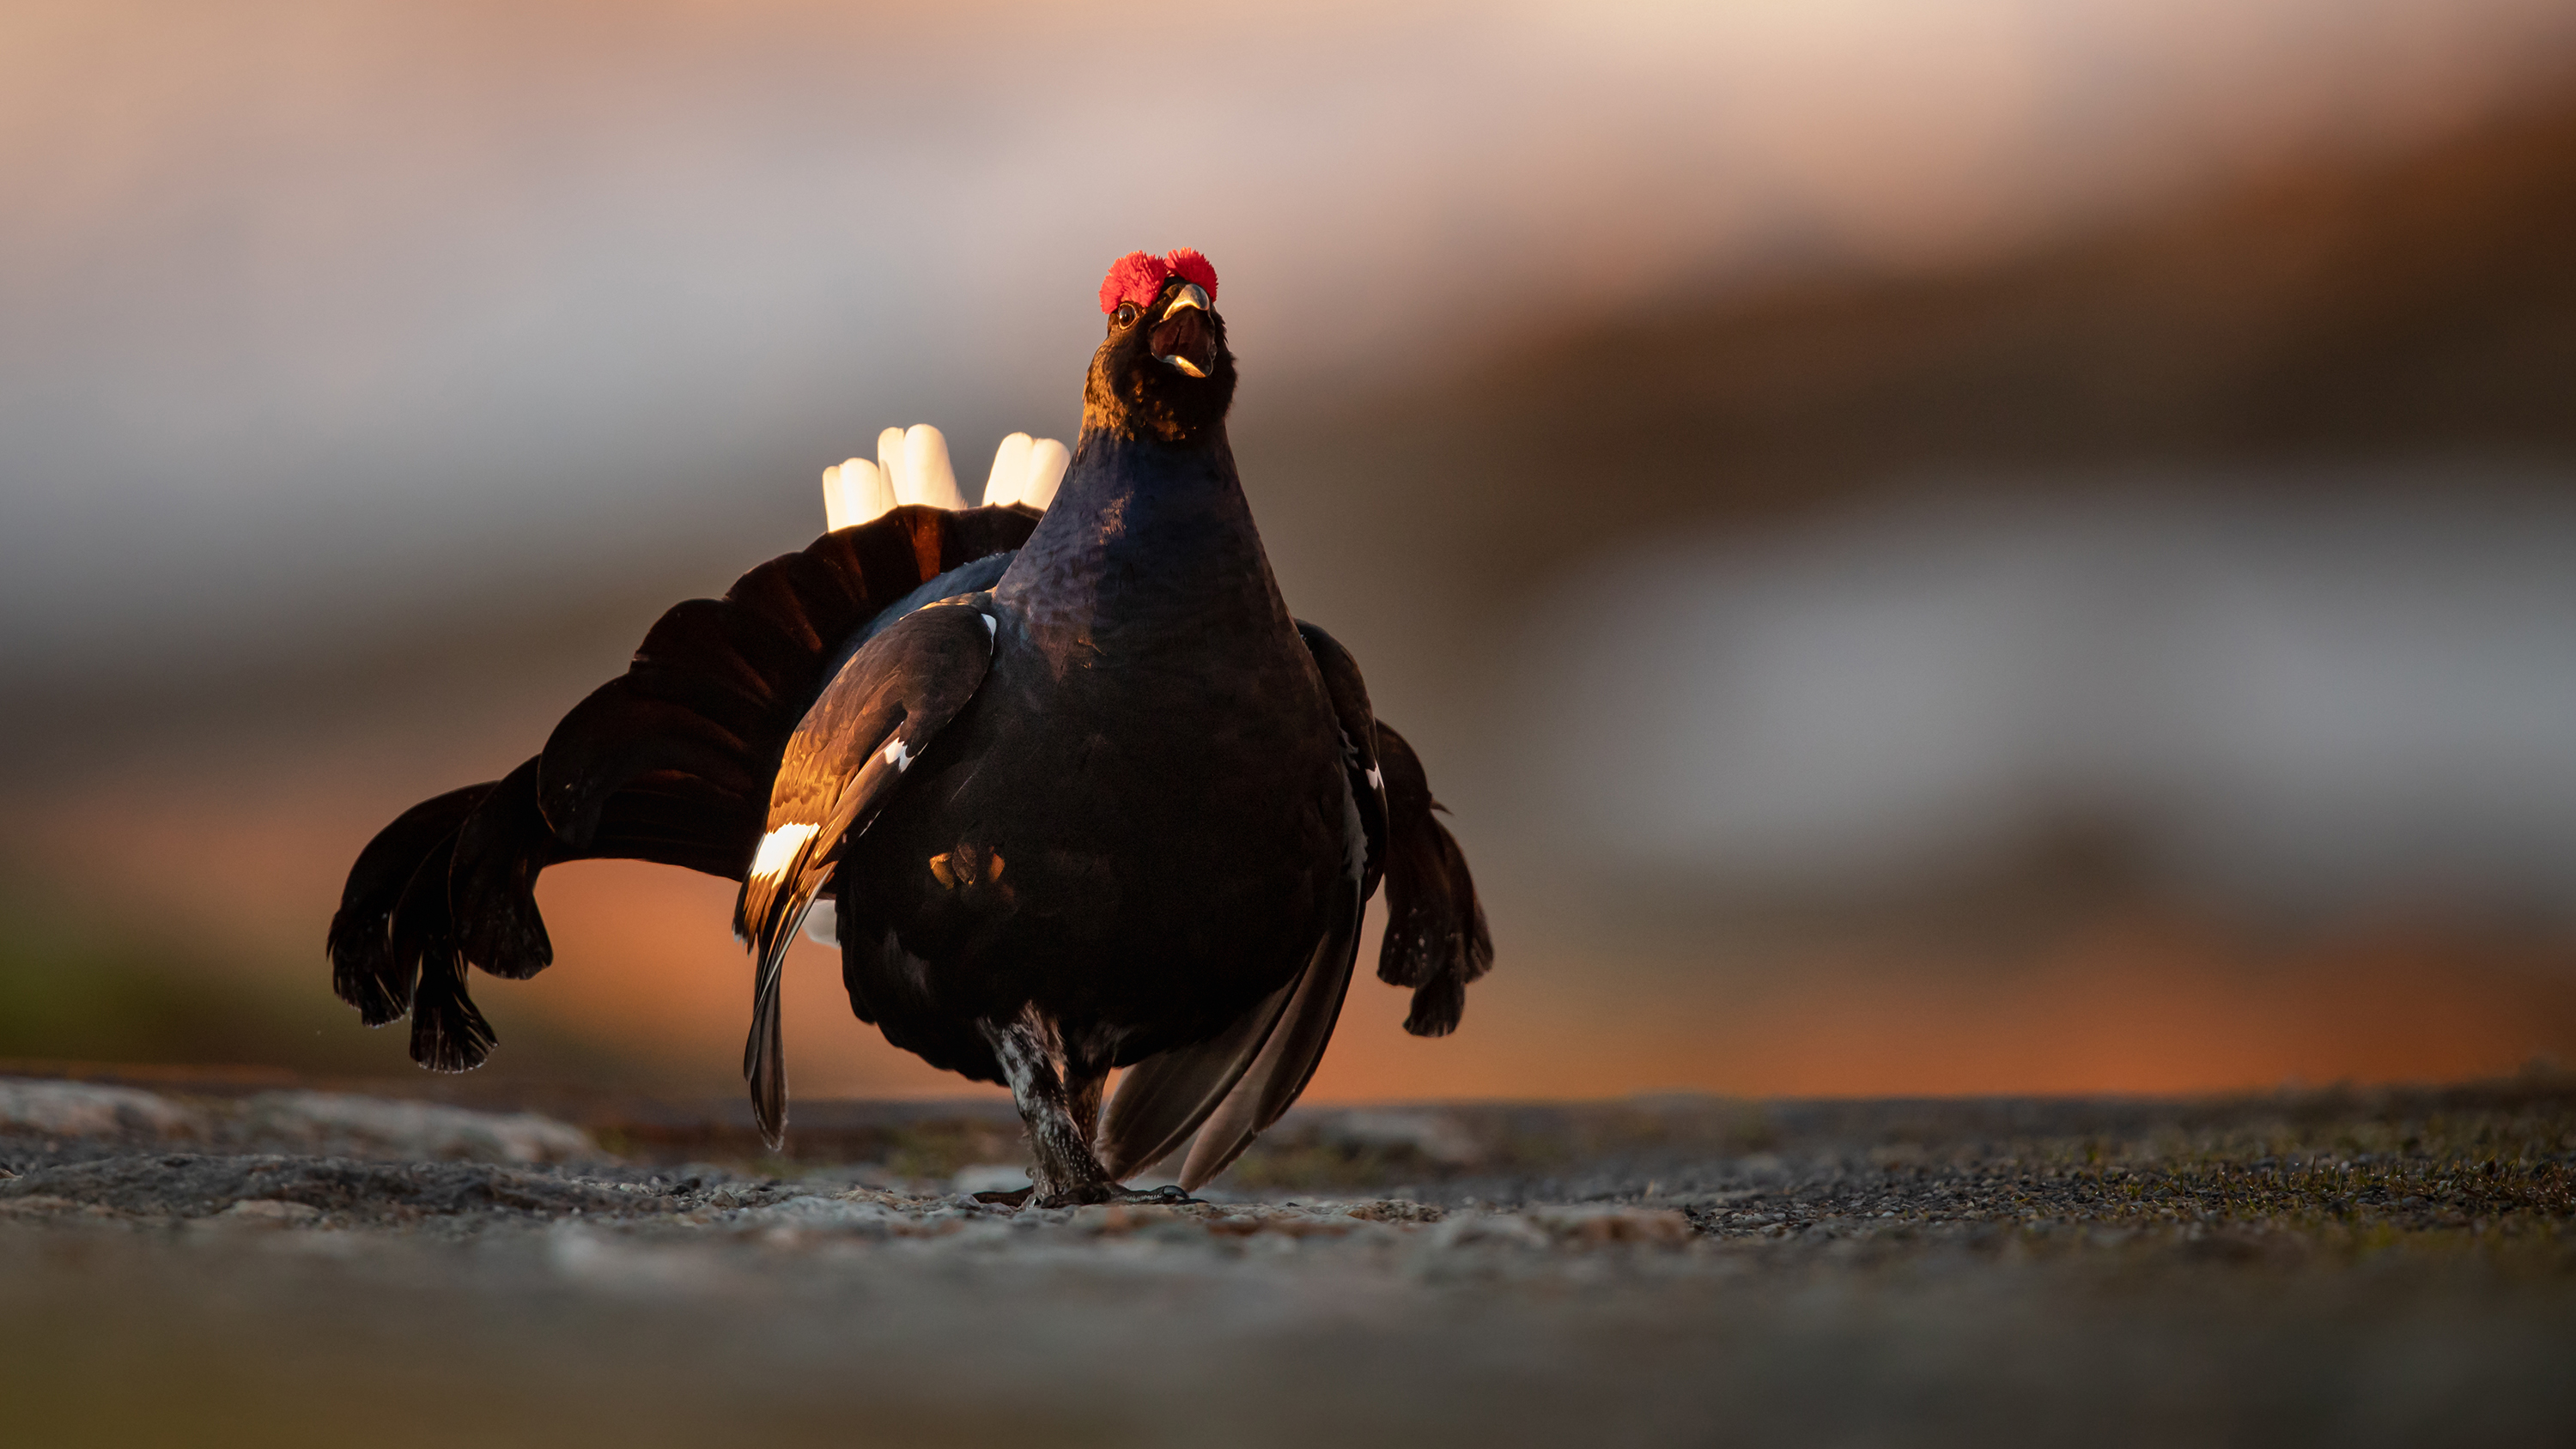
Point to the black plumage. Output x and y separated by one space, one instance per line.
670 762
1085 795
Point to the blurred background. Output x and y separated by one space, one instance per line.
1999 546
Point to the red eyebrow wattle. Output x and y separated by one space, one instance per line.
1139 276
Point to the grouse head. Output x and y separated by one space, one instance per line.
1163 371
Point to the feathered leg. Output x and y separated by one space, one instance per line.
1059 1100
1083 1084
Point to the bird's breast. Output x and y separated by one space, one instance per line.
1154 803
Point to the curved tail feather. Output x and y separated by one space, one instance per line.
1436 940
676 819
452 881
718 686
447 1033
670 762
668 819
372 967
492 880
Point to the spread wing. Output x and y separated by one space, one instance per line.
669 762
872 721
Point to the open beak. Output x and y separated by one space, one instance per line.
1182 336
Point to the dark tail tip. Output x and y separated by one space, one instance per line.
375 942
764 1056
769 1097
492 879
364 972
506 938
448 1033
1437 1007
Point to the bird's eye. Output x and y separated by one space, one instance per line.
1126 314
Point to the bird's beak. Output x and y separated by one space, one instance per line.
1182 336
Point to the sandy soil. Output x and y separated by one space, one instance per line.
287 1268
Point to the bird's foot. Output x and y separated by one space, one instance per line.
1168 1195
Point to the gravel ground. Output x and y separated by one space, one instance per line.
285 1268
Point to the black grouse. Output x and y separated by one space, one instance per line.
1083 795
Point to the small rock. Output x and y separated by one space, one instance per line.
1397 1210
1115 1218
79 1109
1288 1222
1611 1223
419 1130
1509 1230
989 1177
1433 1134
38 1205
812 1211
267 1212
599 1260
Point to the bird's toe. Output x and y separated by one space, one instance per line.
1090 1195
1170 1193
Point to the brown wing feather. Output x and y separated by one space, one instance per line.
879 713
